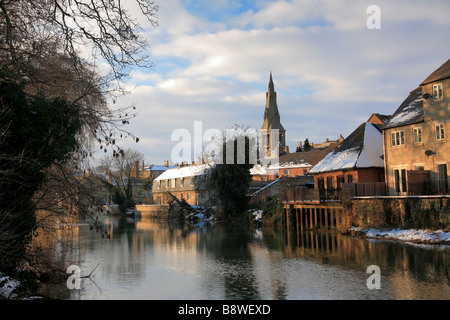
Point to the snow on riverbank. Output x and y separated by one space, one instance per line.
408 235
7 286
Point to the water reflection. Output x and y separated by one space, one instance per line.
155 259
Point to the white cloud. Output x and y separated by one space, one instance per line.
330 71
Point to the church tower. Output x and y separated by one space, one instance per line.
272 121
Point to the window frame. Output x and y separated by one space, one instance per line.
417 135
439 131
398 138
438 92
400 180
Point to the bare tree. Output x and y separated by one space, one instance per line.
54 48
121 178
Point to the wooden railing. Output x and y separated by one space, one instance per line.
300 195
364 189
372 189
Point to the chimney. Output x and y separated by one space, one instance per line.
166 163
136 169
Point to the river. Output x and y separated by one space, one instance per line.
147 258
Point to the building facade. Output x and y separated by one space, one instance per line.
416 146
187 183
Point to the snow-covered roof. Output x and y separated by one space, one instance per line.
363 148
189 171
409 112
258 169
289 165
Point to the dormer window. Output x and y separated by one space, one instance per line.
437 92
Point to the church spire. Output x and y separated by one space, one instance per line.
271 81
272 119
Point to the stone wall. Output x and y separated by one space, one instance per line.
421 212
156 211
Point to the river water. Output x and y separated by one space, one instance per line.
147 258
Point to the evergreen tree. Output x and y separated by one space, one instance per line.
230 181
306 145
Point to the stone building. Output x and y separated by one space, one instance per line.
272 122
150 171
187 182
416 146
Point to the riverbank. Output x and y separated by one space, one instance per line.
436 237
9 288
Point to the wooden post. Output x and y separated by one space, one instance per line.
301 219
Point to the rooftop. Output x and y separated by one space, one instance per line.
189 171
409 112
443 72
363 148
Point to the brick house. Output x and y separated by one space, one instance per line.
187 182
358 159
416 147
292 165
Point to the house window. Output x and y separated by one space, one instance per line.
330 183
398 138
350 178
158 184
188 196
400 180
443 178
340 181
173 183
181 181
286 173
440 134
437 92
321 183
417 135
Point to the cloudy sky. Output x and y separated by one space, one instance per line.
331 72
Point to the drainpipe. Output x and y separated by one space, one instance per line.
386 173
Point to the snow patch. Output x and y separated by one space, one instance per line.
372 151
345 159
190 171
410 112
412 235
